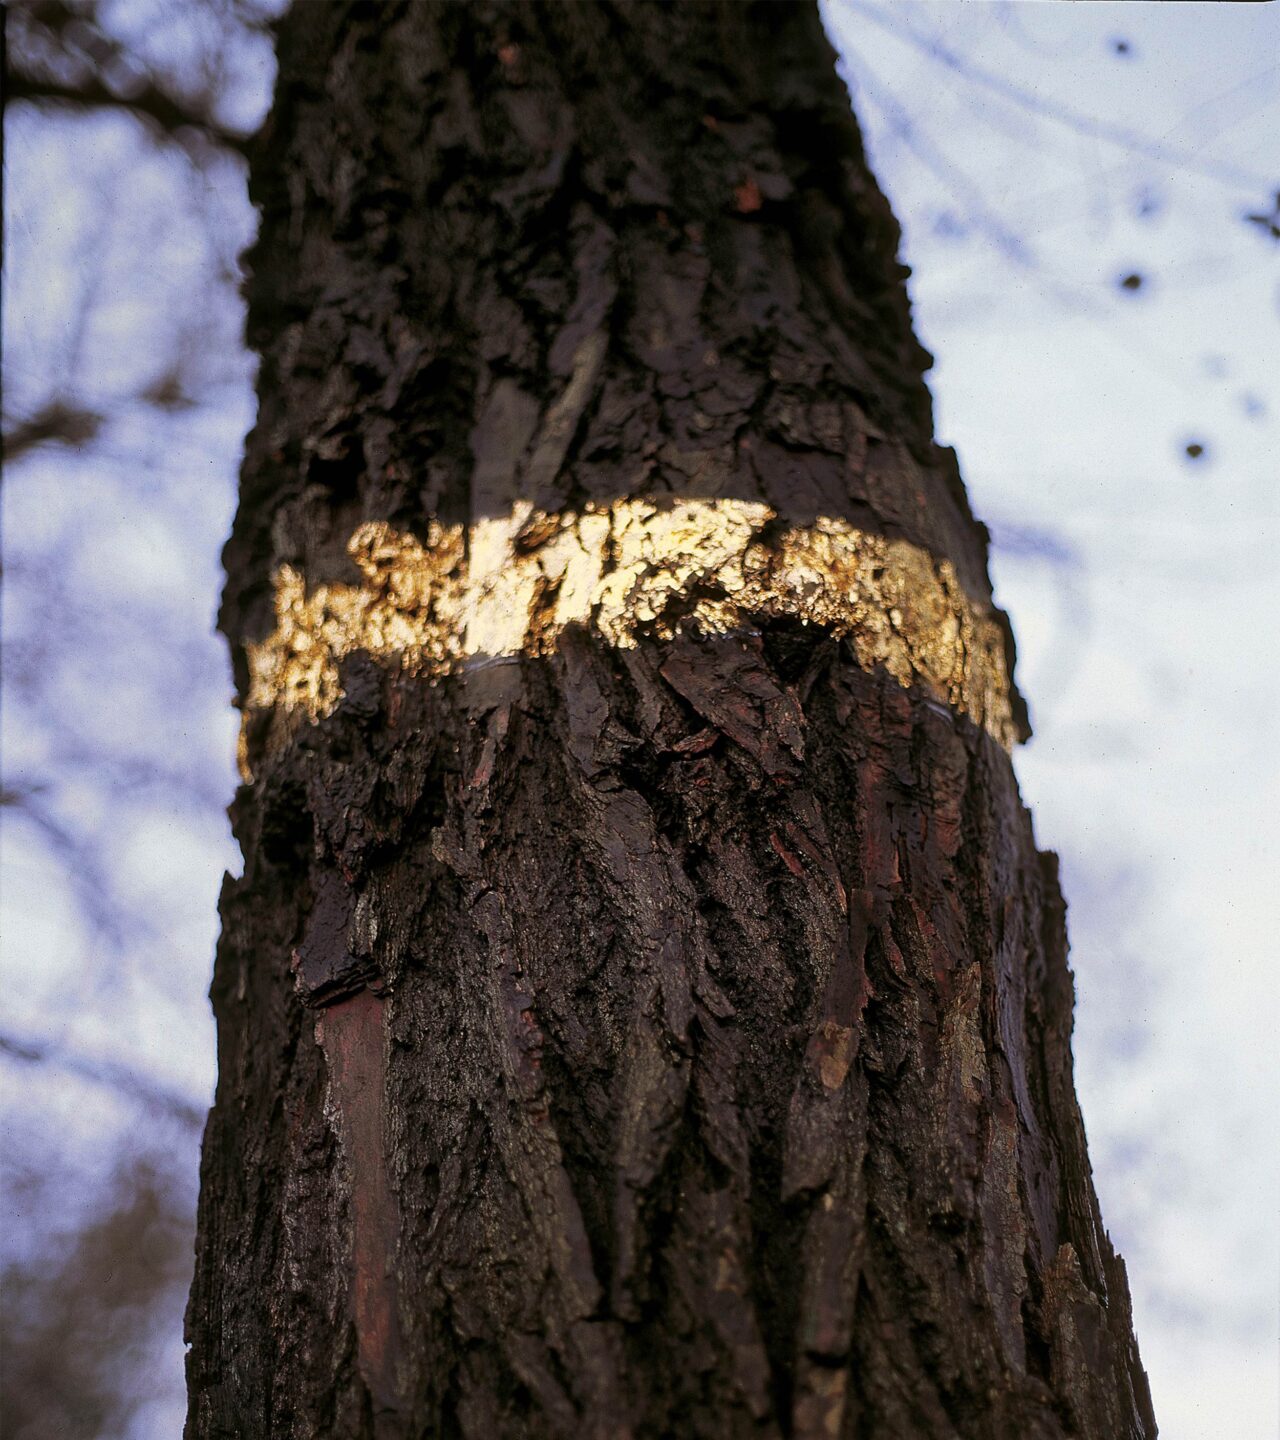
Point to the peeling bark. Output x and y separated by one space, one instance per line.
644 1011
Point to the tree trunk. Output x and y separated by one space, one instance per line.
644 1012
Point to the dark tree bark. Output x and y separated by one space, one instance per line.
644 1011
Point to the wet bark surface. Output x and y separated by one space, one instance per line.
669 1039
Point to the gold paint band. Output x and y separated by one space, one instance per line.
508 586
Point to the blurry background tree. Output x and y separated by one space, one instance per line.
1088 195
126 393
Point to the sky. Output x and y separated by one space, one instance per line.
1142 584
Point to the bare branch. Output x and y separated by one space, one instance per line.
149 104
1096 129
58 54
57 423
112 1076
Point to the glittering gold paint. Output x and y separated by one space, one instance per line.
510 585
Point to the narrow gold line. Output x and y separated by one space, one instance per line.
509 585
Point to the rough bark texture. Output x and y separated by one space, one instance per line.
645 1035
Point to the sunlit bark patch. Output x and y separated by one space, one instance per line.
510 585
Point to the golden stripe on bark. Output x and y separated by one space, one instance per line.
508 586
